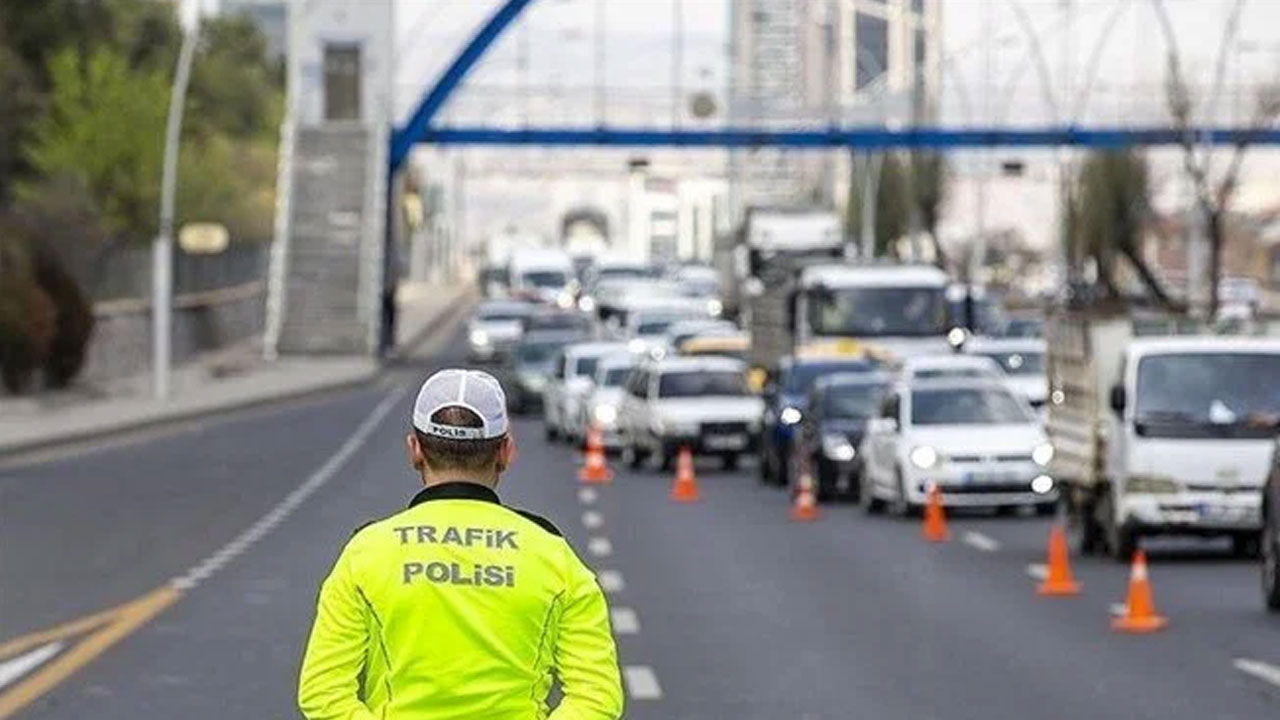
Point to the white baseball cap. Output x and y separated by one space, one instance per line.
477 391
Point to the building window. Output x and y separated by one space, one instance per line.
871 38
918 6
921 50
341 82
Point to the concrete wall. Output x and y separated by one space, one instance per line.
121 343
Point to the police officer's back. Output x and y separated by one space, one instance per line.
458 606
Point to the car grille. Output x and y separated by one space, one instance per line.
724 428
990 458
983 489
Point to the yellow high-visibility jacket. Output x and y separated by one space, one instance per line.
459 607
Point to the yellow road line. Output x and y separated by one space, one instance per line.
115 625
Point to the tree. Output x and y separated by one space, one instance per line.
892 208
19 102
929 176
1212 191
105 126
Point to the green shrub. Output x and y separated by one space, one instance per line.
27 318
73 324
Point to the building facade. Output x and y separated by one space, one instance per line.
815 63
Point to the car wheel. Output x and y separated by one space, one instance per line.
551 433
784 474
903 507
825 480
1271 565
729 461
871 504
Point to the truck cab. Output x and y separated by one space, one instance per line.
1161 436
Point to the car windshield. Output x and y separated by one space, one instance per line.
502 313
802 376
950 372
615 377
545 278
852 401
966 406
987 317
586 366
537 352
1018 363
1024 327
653 327
1208 394
878 311
622 273
557 321
702 382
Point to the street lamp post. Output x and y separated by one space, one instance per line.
162 247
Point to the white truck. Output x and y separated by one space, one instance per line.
1159 435
768 243
541 274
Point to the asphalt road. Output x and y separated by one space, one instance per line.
724 608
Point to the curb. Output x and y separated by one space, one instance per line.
10 452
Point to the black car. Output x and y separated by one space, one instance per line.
830 434
1271 535
568 322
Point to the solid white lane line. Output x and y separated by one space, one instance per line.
1038 571
981 542
587 496
624 621
600 546
592 519
14 668
642 683
611 581
278 514
1265 672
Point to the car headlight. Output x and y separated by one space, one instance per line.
838 448
586 304
564 300
790 416
1041 484
715 308
605 414
1042 454
479 337
1150 484
923 457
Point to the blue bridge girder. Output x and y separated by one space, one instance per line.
420 129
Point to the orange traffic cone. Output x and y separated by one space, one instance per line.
594 471
935 518
805 507
1140 612
685 489
1059 581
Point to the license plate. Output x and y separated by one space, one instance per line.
989 478
725 442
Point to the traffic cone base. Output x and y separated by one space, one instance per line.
935 519
685 488
595 471
1059 582
805 508
1139 612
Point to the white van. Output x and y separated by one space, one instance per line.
542 275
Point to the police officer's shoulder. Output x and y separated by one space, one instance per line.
538 520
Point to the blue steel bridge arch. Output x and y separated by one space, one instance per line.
419 127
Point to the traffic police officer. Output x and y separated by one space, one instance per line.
458 606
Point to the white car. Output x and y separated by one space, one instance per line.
682 330
571 379
700 403
936 367
973 438
603 402
495 328
1021 359
646 326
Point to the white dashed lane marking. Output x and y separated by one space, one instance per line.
1265 672
587 496
592 519
611 581
642 684
600 546
624 620
981 542
1038 571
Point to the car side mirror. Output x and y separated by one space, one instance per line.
1117 399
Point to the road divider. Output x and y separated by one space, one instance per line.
685 487
595 471
1140 610
934 528
1059 581
805 506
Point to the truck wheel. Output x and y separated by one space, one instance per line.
1271 566
1246 545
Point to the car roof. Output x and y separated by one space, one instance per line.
943 362
505 305
617 360
543 336
1202 344
853 378
957 383
836 275
1013 344
594 348
698 362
